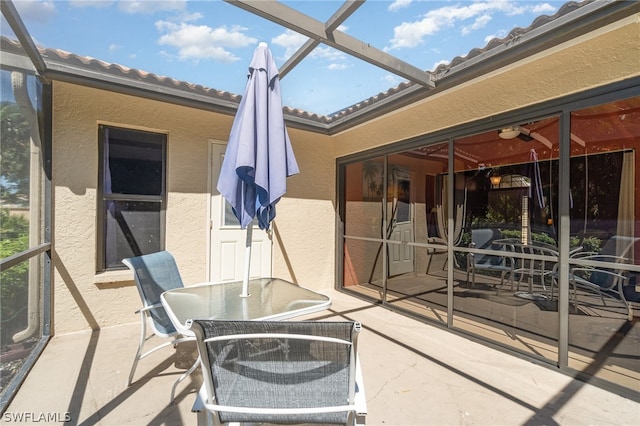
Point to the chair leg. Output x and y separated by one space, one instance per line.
429 264
473 276
625 301
143 338
575 296
181 378
629 308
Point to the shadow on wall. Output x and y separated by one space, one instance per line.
74 291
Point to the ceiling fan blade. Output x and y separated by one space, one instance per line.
525 137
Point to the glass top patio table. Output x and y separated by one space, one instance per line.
269 299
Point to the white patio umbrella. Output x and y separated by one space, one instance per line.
259 157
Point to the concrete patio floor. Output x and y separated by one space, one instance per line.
415 374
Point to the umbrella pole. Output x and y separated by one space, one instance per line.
247 262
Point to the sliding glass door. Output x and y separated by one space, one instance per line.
525 236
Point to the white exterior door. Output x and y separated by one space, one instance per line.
227 240
401 255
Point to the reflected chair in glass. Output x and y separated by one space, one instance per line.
602 280
282 372
483 239
541 264
154 274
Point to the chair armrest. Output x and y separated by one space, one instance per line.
576 276
145 309
604 258
580 254
575 251
588 269
150 307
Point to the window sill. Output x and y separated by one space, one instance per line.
113 279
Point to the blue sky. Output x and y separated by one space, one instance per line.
211 42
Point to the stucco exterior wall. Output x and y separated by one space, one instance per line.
304 231
604 56
83 298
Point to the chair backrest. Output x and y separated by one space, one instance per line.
615 250
154 274
537 248
618 245
279 371
483 239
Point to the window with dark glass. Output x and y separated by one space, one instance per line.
132 194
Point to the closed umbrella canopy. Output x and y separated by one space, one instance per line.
259 157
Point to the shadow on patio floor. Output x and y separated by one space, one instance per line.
415 374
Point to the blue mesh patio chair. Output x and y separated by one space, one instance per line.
279 372
483 239
154 274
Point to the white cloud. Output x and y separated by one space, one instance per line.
195 42
500 34
114 47
328 54
412 34
34 10
543 9
392 80
490 37
338 60
480 22
91 3
290 40
516 9
338 67
399 4
437 64
150 6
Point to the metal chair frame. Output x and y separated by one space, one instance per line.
152 310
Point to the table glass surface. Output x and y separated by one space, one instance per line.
269 298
